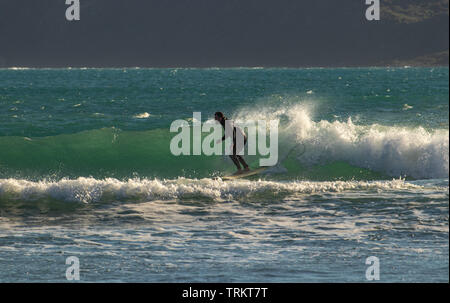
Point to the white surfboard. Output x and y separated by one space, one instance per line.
245 174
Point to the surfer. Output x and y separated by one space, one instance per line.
237 159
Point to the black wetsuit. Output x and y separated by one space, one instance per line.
237 159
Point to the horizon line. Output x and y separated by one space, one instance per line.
219 67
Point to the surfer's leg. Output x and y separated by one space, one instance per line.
235 158
235 161
241 159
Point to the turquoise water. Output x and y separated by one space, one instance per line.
86 170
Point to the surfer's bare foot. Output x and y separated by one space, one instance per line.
247 169
239 171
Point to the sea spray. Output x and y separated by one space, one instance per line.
394 151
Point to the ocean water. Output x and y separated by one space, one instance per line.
86 171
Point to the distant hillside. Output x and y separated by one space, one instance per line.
418 12
413 11
435 59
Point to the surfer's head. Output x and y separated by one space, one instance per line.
219 116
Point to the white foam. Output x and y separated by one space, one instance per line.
89 190
142 116
395 151
18 68
406 106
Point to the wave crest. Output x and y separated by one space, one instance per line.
395 151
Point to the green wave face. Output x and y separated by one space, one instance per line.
110 152
101 153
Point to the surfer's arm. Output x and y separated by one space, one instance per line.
220 140
224 136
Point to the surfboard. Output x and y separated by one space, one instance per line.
245 174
